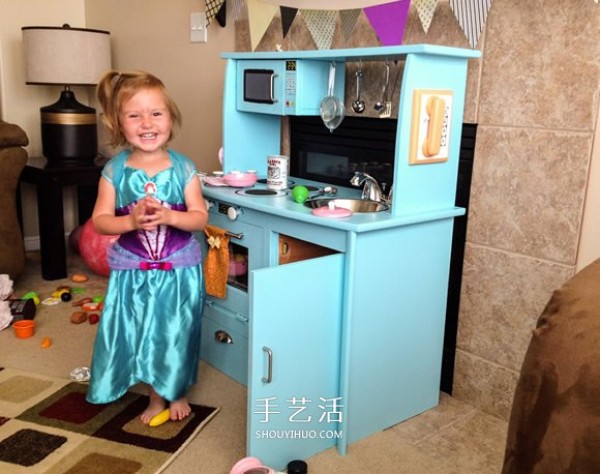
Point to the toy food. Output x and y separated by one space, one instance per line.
79 317
90 306
79 278
93 318
46 342
161 418
82 301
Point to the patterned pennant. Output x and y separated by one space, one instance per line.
348 20
321 24
388 21
425 9
212 7
287 18
471 16
237 9
260 15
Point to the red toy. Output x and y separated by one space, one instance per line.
93 248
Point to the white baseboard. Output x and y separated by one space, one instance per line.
32 243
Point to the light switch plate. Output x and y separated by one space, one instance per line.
198 31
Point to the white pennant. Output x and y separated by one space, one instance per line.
425 9
237 9
471 16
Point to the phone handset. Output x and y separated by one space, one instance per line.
435 108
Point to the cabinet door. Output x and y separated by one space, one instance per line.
293 384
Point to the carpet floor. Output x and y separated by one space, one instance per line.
47 426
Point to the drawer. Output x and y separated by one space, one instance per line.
225 346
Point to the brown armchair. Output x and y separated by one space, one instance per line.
555 420
13 158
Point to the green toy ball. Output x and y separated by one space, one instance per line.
300 194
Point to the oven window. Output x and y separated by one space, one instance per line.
238 266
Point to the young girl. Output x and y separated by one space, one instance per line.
150 195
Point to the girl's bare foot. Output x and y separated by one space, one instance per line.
180 409
156 405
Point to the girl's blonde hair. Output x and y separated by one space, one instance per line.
116 88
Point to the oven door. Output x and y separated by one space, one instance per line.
225 320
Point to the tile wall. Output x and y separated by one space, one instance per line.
534 94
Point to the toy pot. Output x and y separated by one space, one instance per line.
24 328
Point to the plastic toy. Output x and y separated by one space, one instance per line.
93 248
161 418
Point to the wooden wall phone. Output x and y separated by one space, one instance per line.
431 119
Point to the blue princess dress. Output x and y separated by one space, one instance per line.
150 325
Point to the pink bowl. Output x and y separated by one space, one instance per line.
240 180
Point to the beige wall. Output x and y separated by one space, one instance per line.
154 35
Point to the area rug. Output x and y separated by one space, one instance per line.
46 426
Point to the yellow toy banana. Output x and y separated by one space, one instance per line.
161 418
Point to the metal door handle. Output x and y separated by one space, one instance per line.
223 337
269 376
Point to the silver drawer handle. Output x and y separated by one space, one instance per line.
222 337
269 376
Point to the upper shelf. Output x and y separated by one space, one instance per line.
379 53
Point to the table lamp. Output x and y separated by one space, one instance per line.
68 57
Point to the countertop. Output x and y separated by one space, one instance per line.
285 206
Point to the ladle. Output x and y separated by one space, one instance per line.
380 105
358 105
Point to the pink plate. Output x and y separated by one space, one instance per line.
336 212
239 180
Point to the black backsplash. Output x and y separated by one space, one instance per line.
367 143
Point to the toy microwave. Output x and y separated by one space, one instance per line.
285 87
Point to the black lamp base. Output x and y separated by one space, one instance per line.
69 135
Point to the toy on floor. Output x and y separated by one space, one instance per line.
161 418
93 248
251 465
6 289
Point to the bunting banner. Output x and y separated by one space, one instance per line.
287 18
236 11
212 8
425 10
348 19
260 15
336 5
387 17
321 24
389 21
471 16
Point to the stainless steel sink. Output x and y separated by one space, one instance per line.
354 205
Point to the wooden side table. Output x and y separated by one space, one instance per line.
49 181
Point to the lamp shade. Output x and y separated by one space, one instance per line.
65 55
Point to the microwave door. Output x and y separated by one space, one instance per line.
259 86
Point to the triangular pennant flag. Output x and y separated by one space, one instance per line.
287 18
212 7
425 9
348 20
237 9
471 16
260 15
388 21
221 15
321 24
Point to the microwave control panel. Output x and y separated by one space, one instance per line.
284 87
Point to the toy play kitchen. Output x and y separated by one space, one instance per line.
334 322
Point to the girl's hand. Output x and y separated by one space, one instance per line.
155 213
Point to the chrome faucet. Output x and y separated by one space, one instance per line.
371 189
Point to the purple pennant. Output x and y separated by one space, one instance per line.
287 18
388 21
